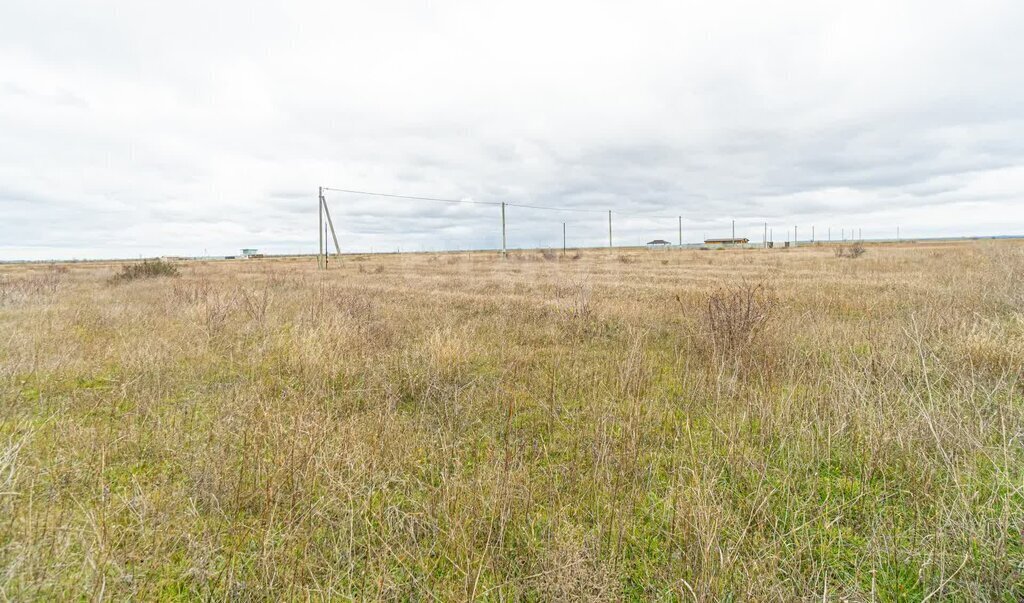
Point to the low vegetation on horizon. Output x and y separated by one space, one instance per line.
646 425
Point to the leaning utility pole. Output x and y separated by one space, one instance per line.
330 224
504 249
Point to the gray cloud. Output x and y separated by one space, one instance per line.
177 128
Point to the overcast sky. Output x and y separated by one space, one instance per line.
191 127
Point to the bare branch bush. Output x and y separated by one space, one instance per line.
736 317
256 302
852 251
215 312
191 292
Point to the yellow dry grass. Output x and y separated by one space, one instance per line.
455 426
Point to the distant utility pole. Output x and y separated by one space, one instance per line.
812 233
844 235
609 230
734 229
765 239
829 234
680 232
897 234
771 235
794 236
860 235
563 238
504 249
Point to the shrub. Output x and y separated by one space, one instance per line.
735 318
145 269
853 251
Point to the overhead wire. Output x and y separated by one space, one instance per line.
343 190
498 203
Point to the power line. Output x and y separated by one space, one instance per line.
343 190
549 208
497 203
592 211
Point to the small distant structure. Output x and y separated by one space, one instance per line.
659 244
251 253
727 242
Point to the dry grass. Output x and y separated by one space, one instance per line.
458 427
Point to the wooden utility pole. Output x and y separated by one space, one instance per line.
320 230
563 238
794 236
734 229
765 237
680 232
812 234
504 249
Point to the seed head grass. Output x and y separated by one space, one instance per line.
682 425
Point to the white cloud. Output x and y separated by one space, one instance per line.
145 127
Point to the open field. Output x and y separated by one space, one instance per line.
643 425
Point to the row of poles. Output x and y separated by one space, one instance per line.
504 240
768 236
327 224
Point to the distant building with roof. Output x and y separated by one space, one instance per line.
727 242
